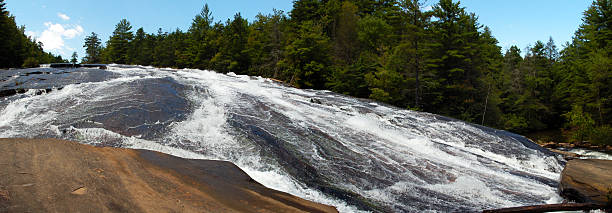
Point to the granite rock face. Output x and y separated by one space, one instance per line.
49 175
587 181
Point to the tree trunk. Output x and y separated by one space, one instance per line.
486 104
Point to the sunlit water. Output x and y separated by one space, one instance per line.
350 153
591 154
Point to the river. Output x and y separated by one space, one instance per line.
355 154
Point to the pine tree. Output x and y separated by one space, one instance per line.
373 41
4 36
306 10
306 58
74 58
141 49
119 43
265 44
345 42
17 49
454 59
201 49
596 29
93 49
414 39
233 54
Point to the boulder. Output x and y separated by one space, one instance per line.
566 155
49 175
587 181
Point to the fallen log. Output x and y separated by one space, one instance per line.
551 208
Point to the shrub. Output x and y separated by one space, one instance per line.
30 62
581 124
602 135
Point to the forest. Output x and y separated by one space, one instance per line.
441 61
17 49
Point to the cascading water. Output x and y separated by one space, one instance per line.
351 153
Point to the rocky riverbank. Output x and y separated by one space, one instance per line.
585 145
587 181
49 175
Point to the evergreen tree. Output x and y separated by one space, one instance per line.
373 40
93 49
596 29
74 58
306 58
141 49
119 43
233 55
413 41
454 60
345 43
265 43
201 49
306 10
17 49
5 36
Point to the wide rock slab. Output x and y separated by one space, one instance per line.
49 175
587 181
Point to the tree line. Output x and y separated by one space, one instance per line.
17 49
440 60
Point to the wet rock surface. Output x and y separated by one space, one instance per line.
49 175
47 78
355 154
587 181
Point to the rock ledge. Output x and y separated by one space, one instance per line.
49 175
587 181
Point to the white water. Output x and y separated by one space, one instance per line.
590 154
386 155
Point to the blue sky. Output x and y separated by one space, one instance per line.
63 24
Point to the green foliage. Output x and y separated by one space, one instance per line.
351 80
306 58
581 121
346 44
93 49
386 85
74 58
373 33
233 55
515 123
306 10
141 48
602 135
119 43
267 36
30 62
200 46
17 49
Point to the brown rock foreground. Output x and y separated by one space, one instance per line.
49 175
587 181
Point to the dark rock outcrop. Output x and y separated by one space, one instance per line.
49 175
587 181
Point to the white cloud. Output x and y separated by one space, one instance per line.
53 37
63 16
427 8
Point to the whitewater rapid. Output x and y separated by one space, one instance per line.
355 154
